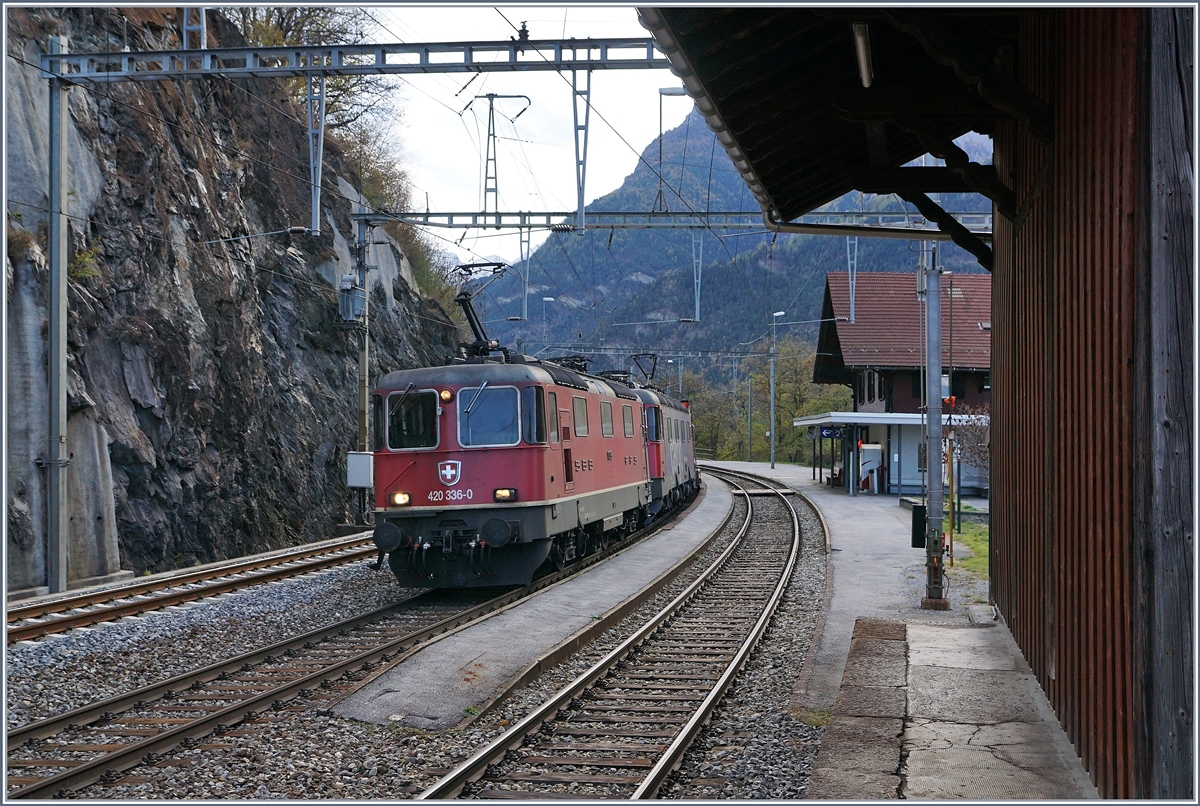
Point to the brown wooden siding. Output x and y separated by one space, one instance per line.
1064 324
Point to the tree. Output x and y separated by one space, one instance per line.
973 434
349 100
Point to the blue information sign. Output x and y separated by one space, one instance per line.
835 431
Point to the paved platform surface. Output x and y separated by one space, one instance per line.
470 667
921 704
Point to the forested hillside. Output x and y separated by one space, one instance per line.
605 280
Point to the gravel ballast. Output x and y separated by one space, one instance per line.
755 746
64 672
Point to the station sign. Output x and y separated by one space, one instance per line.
834 431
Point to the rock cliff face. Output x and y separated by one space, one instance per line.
212 396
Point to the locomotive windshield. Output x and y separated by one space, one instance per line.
487 415
412 420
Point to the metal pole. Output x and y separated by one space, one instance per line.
935 597
56 450
316 146
364 388
772 395
750 420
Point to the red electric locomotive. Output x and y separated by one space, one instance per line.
491 465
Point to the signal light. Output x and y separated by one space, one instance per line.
505 495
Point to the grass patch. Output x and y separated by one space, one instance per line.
975 536
814 719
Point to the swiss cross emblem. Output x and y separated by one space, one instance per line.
448 472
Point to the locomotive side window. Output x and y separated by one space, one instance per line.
627 414
606 423
579 409
377 422
652 424
533 415
487 415
552 411
412 420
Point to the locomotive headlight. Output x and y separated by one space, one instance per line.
446 395
505 494
401 499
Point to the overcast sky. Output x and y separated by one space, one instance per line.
443 151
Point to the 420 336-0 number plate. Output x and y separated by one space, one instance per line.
451 495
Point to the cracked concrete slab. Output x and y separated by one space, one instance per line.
885 701
969 695
828 783
962 648
874 670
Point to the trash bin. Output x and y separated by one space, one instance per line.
918 526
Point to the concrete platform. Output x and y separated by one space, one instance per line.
471 667
920 704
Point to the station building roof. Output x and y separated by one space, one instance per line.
887 330
784 91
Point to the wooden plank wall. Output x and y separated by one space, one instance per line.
1162 551
1091 534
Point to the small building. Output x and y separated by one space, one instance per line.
876 348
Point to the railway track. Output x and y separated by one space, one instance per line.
40 619
619 729
100 741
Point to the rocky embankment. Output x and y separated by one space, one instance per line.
212 394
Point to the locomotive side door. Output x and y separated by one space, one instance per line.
645 444
564 417
553 438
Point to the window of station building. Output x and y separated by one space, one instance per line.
579 410
870 384
487 415
533 415
627 415
916 378
377 422
412 420
958 385
552 412
606 423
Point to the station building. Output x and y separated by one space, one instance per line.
876 348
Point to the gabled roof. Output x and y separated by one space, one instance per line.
887 328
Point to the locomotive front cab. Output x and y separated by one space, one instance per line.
458 473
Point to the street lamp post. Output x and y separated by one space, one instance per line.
774 319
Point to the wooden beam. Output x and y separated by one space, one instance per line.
946 223
884 179
979 178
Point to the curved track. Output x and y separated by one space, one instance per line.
624 725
